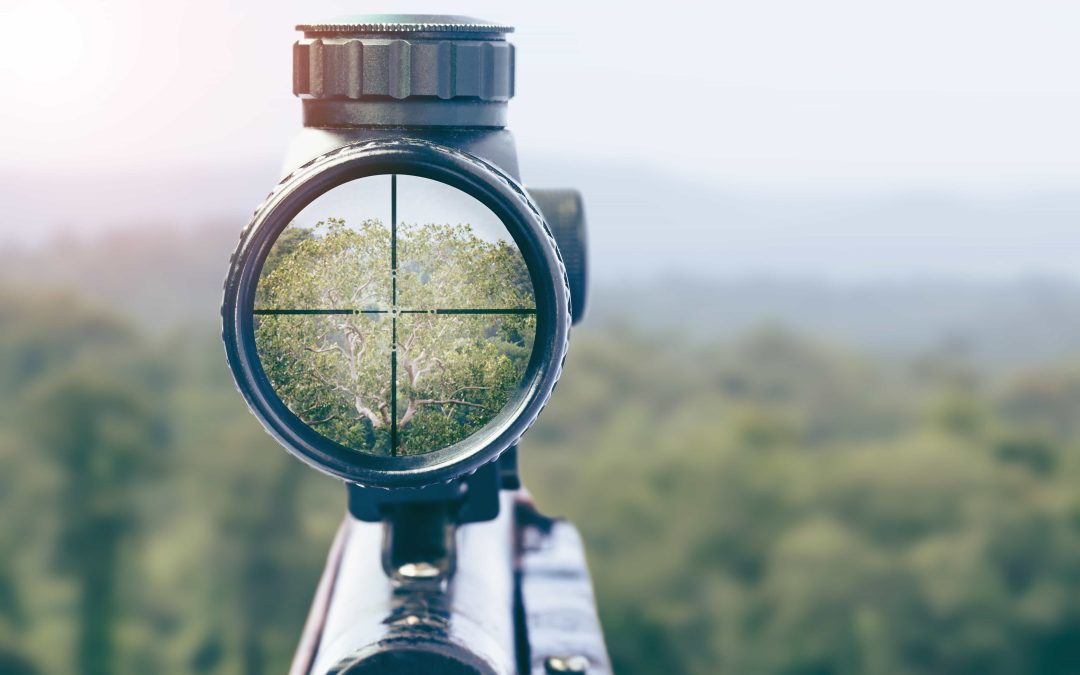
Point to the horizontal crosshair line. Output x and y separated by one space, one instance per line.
321 311
511 310
508 310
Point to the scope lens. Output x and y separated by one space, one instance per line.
395 315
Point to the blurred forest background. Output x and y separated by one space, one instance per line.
771 476
844 441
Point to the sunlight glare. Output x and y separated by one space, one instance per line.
39 41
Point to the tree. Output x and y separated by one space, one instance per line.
454 371
102 435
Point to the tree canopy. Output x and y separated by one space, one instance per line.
455 372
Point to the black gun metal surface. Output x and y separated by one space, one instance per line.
521 601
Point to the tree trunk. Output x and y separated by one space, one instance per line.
97 611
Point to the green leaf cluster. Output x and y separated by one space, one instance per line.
455 372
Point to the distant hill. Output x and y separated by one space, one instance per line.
164 276
642 221
158 274
993 323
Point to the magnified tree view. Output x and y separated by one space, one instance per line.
335 299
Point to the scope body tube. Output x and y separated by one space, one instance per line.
493 145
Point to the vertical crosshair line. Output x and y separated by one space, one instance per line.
393 316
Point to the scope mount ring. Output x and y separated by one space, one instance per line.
478 178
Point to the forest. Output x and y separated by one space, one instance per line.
766 500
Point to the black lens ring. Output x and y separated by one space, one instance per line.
521 217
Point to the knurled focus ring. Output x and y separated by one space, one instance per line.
357 68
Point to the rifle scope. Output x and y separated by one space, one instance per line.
396 314
397 311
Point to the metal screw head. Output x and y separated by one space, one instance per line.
419 570
567 664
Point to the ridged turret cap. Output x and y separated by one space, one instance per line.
404 69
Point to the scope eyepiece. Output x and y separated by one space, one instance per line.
397 313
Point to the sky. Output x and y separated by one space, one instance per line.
837 89
419 201
977 100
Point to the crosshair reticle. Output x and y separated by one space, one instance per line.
395 315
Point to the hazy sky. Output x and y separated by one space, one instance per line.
419 201
923 91
838 138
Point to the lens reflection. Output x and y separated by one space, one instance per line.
394 336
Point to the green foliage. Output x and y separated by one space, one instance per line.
779 506
455 372
102 437
767 504
143 526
